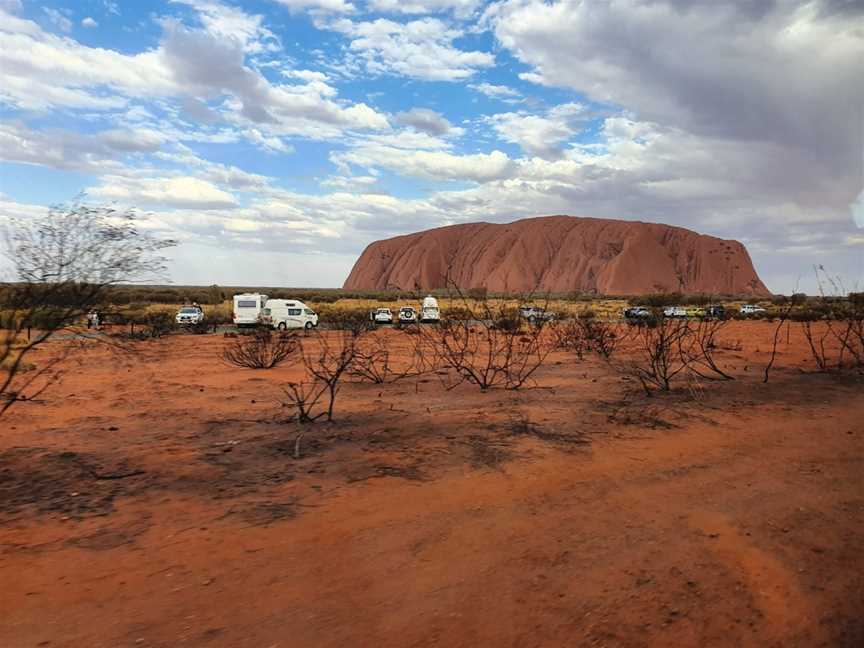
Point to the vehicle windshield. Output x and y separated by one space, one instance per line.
189 311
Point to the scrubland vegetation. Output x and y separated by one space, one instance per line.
503 446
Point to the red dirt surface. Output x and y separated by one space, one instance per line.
152 500
560 254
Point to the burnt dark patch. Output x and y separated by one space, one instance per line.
36 481
263 513
486 452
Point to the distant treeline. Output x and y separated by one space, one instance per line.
212 295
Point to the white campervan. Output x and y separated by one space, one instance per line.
285 314
247 308
429 310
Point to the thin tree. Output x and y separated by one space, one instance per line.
64 264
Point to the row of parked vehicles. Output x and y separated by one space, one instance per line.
255 309
715 311
427 313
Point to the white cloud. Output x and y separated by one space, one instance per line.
223 21
503 93
330 6
44 71
422 49
67 150
11 6
693 68
58 18
461 8
541 135
858 210
89 23
183 192
437 165
427 121
350 182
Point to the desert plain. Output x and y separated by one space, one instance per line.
154 499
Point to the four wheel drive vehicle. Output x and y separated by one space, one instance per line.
429 310
695 311
247 308
189 315
535 313
674 311
638 313
284 314
407 315
751 309
717 311
382 316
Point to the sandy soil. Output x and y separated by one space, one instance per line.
153 500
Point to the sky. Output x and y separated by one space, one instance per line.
275 139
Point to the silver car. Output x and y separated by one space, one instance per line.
189 315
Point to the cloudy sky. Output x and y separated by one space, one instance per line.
276 138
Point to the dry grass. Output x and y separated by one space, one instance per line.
604 308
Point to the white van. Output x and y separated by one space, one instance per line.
247 308
429 310
285 314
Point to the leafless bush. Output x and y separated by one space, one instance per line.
261 350
783 320
487 346
834 325
569 335
657 357
837 341
667 349
376 360
326 360
586 334
601 337
699 346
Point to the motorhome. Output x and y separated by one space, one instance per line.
247 308
286 314
429 311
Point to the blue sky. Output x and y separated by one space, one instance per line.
276 138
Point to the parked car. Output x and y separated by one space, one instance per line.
247 308
695 311
429 311
284 314
189 315
717 311
382 316
407 315
637 313
674 311
751 309
535 314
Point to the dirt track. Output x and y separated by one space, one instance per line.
153 501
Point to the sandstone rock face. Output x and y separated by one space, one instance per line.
559 254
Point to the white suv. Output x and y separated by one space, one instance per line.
383 316
189 315
751 309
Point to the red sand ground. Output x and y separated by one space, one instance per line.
430 518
